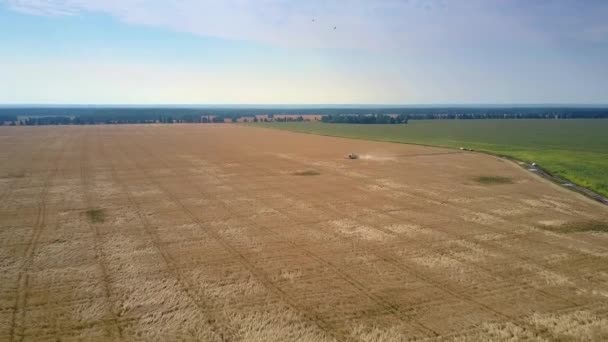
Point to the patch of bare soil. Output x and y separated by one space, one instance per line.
307 173
576 227
96 215
490 180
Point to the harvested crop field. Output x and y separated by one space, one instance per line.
235 233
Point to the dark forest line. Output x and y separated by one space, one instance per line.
366 115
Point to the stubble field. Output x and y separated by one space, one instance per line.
235 233
576 150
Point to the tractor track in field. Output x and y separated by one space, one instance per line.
100 257
257 273
395 310
383 255
498 228
209 232
17 330
428 279
442 286
439 285
222 331
439 202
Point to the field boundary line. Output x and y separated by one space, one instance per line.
542 173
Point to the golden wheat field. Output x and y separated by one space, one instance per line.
235 233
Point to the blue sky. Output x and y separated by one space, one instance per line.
277 52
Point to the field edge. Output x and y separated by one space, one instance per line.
562 182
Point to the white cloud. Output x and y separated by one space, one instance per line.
447 51
370 24
42 7
359 23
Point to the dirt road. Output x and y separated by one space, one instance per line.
233 233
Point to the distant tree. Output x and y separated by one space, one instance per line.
368 119
367 115
403 118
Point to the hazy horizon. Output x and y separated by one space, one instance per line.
304 106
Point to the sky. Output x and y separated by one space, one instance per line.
303 52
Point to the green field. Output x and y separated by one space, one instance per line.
576 150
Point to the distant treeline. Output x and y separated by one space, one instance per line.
366 119
347 114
